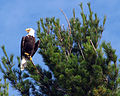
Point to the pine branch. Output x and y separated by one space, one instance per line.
81 51
35 67
3 48
93 45
67 21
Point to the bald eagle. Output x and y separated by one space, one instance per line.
28 47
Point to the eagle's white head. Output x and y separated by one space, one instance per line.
30 31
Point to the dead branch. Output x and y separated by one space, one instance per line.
67 21
93 45
81 51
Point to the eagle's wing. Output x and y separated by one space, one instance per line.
22 46
36 47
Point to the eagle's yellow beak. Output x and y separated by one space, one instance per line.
28 30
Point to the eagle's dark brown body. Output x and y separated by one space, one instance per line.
29 46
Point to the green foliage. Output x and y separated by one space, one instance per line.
78 64
4 88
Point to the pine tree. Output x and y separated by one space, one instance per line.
79 65
4 88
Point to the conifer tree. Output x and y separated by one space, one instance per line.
4 88
79 65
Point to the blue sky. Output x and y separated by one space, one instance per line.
17 15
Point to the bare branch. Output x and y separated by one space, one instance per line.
36 69
81 51
93 45
67 21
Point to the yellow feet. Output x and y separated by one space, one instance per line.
30 58
27 54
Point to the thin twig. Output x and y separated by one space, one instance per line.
66 20
93 45
99 40
81 51
35 66
116 67
60 39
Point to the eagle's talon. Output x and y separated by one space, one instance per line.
27 54
30 58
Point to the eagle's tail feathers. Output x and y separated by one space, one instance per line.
23 63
